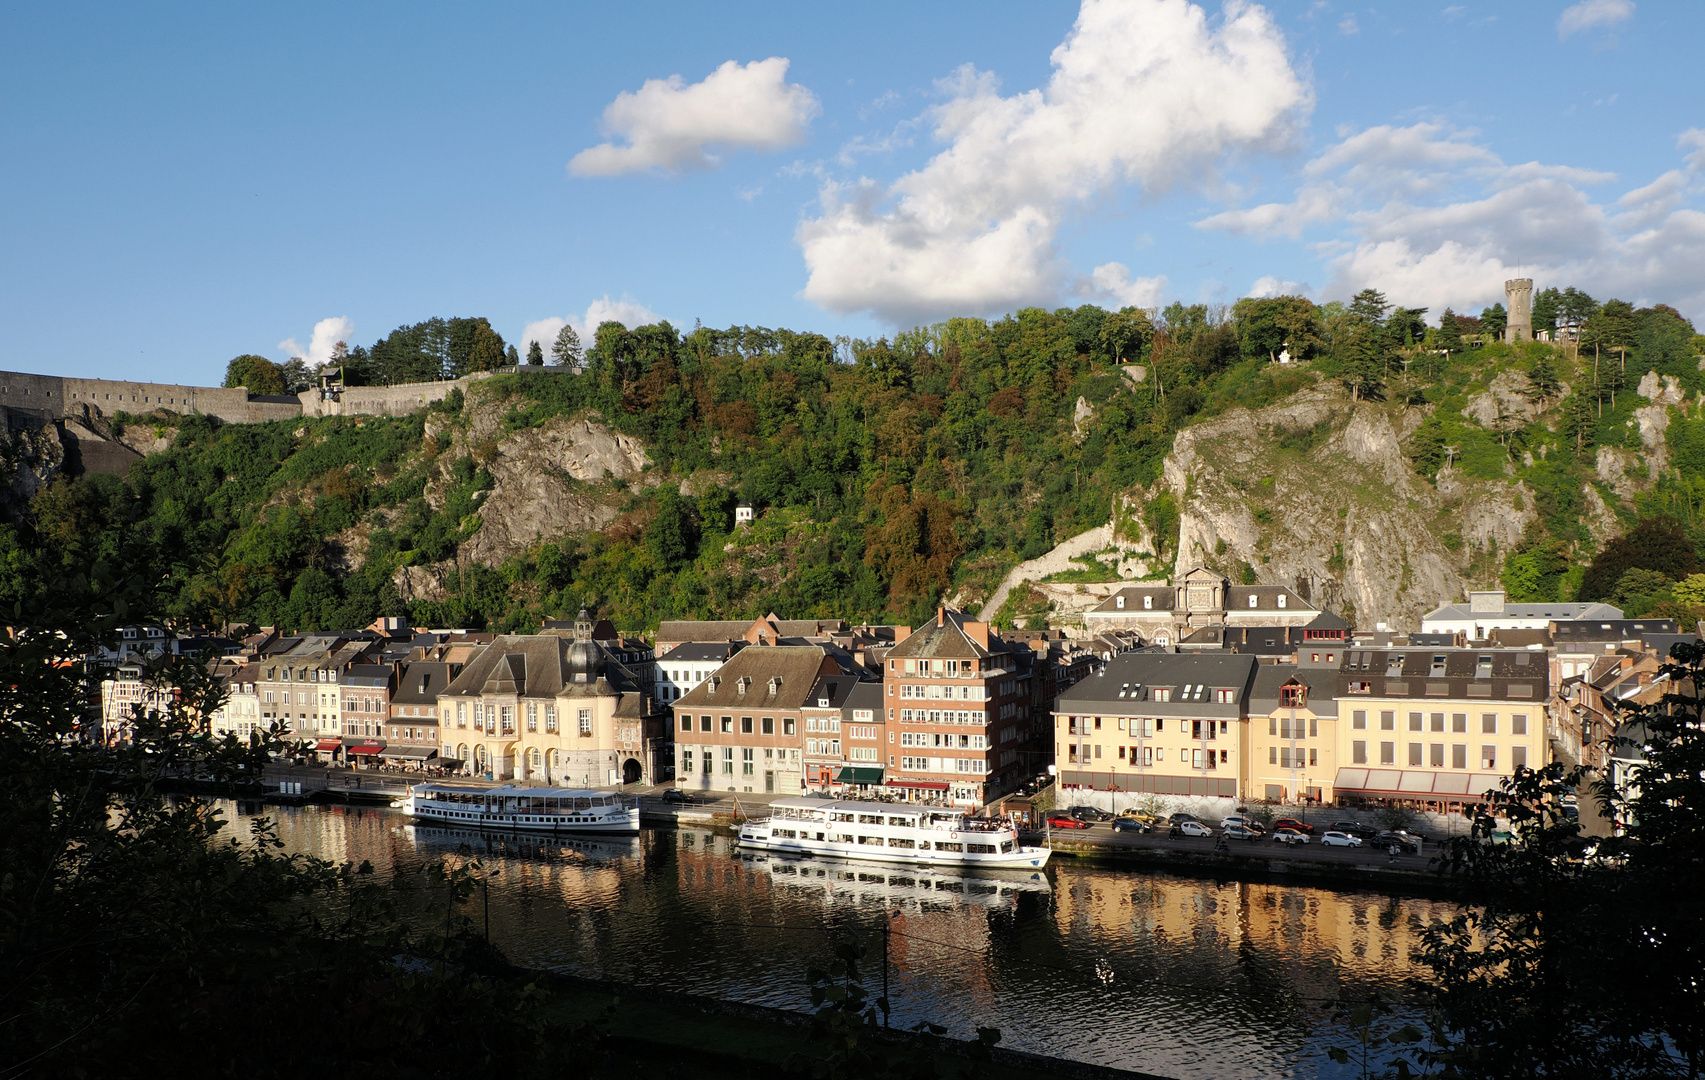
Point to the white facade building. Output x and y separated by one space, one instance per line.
1488 611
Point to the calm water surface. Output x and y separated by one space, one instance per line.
1181 976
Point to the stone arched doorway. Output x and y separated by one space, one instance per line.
632 771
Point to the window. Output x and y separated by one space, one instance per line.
745 725
1148 603
1163 693
705 758
1359 752
1414 721
1313 756
1518 757
1119 603
1273 755
1281 599
769 725
1458 756
704 723
1489 723
1388 720
1488 758
1459 723
746 764
1359 719
1252 602
585 721
1438 721
532 716
550 720
1388 753
728 761
728 725
1518 724
1227 697
1437 752
686 722
1415 753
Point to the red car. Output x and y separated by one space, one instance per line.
1293 823
1061 821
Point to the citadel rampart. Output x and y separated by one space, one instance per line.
53 398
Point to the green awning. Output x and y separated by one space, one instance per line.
857 774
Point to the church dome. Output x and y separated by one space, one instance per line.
585 658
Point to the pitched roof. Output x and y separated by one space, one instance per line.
700 630
952 636
772 677
1133 594
1138 673
422 681
537 666
1322 683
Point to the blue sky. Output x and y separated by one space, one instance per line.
182 183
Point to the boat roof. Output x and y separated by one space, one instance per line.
865 806
510 791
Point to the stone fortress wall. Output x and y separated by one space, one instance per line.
50 398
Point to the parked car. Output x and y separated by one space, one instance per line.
1404 843
1125 824
1235 831
1294 824
1245 822
1355 828
1177 819
1088 813
1340 839
1066 821
1190 827
1289 836
676 795
1138 815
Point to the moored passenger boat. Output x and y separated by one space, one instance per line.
539 809
888 832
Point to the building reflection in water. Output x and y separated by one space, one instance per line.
1186 977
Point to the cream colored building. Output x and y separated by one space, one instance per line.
547 709
240 713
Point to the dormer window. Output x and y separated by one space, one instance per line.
1119 602
1148 603
1293 696
1281 599
1483 667
1252 600
1438 667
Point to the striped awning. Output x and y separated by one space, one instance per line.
1415 784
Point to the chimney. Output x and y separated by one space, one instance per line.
978 632
940 616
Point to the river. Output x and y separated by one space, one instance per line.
1186 977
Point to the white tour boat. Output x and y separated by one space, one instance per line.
888 832
528 809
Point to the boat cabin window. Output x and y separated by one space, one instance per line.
870 819
583 804
906 821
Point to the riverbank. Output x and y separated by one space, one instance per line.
653 1032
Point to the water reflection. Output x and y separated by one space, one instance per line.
1185 977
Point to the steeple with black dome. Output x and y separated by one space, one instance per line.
585 658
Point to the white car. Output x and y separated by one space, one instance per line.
1340 839
1289 836
1247 822
1194 828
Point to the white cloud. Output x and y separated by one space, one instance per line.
1590 13
1144 92
327 333
1113 281
627 311
1271 286
1348 25
1433 219
669 125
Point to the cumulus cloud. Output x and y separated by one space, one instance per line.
1432 218
1270 286
327 333
627 311
1112 281
1150 93
669 125
1593 13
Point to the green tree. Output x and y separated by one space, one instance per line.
1690 590
1580 421
1658 543
671 534
1369 307
297 377
1360 365
535 354
259 374
1545 308
565 350
511 357
1123 333
1493 321
1542 381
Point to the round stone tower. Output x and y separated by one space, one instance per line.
1518 298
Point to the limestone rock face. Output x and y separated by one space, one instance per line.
33 459
1316 493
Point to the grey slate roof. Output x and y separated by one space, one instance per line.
1139 673
1570 611
1322 683
689 651
421 682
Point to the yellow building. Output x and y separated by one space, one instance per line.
1438 727
1292 734
551 710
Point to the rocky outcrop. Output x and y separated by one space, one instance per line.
32 458
1316 493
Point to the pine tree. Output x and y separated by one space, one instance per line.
1542 380
535 355
1580 421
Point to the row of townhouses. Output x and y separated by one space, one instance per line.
1196 688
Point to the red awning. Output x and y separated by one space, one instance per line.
927 785
326 746
366 749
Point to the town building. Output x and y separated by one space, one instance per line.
1438 727
771 629
1157 723
125 690
959 710
550 709
239 713
831 759
1292 751
689 664
742 729
1167 614
414 724
1486 611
